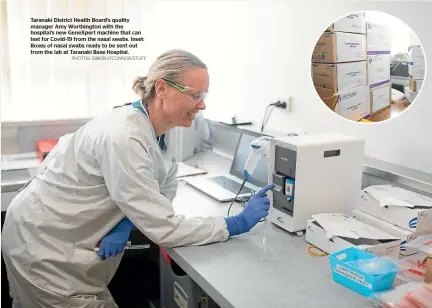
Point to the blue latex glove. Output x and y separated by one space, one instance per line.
256 209
115 241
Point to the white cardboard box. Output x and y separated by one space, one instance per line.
378 36
380 97
378 67
398 206
336 47
355 23
416 72
360 235
354 105
340 77
405 235
417 57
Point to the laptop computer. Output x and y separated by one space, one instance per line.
224 187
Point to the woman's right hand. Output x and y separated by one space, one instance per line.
256 209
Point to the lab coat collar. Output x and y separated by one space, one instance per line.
161 140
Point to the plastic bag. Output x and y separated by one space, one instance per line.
422 243
410 295
375 266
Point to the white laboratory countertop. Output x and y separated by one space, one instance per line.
239 273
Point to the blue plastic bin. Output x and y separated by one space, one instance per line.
353 278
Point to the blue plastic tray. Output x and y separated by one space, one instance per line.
351 277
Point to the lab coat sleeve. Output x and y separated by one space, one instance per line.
130 175
169 188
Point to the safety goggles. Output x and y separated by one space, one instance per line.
194 95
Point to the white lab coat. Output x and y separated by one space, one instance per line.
111 167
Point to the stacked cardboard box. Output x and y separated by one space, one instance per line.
378 65
416 69
339 67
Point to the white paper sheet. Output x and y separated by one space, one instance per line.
186 170
397 95
336 224
389 195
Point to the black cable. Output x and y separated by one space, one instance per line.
232 202
268 117
235 199
265 114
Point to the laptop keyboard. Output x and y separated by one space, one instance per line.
230 185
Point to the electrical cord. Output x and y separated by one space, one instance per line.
266 117
316 254
240 200
232 202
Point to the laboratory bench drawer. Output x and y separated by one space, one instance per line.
178 289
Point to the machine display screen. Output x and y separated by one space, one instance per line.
260 175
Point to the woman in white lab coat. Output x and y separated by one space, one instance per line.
116 172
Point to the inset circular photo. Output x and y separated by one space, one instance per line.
368 66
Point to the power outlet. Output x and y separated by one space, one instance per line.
289 104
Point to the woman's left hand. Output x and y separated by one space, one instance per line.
115 241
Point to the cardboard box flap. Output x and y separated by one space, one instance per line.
406 236
390 195
328 97
324 92
361 242
347 227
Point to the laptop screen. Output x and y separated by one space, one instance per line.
260 175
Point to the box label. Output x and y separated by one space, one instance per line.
354 105
350 47
416 72
380 98
348 96
289 188
378 66
351 23
416 55
351 75
378 37
341 270
340 77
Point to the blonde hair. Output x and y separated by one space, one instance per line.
168 65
